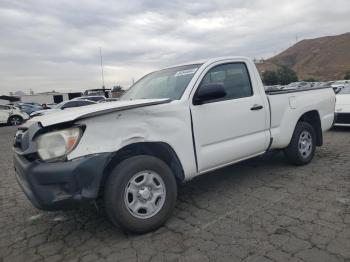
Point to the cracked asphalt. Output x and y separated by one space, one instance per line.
260 210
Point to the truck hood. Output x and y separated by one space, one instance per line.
72 114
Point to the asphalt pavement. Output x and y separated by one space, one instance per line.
260 210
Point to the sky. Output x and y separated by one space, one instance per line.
50 45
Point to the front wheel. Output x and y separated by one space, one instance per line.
301 148
140 193
15 120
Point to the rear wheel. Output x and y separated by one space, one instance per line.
15 120
301 148
140 193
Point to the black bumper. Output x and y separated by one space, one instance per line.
342 118
61 185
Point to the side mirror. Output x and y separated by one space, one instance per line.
209 92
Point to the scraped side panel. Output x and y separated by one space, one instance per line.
168 123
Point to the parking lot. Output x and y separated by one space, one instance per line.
260 210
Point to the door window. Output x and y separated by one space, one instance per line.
233 77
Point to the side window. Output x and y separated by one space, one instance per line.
84 103
95 98
233 77
69 104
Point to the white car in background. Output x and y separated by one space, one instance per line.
342 107
63 105
12 115
90 98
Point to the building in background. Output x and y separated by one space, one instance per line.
4 100
49 97
106 92
117 91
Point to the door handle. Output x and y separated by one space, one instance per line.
256 107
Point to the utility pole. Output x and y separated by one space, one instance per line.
103 80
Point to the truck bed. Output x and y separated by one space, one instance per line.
287 106
286 91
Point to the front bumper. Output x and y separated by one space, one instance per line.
342 119
60 185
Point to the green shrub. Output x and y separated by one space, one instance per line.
269 78
310 79
283 76
286 76
347 76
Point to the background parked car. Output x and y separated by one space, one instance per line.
63 105
51 105
29 108
90 98
108 100
29 103
342 106
12 115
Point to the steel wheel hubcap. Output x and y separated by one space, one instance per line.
305 144
145 194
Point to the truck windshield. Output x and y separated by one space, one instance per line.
168 83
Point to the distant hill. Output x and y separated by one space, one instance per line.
324 58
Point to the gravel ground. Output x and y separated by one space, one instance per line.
260 210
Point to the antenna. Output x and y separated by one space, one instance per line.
103 79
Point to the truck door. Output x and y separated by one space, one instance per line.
231 128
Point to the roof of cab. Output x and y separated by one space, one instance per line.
208 61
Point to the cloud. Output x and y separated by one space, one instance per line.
54 45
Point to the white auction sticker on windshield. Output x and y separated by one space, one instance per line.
186 72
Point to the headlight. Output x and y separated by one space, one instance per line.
58 144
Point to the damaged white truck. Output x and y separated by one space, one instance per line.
171 126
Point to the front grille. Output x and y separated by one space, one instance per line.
343 118
18 140
24 144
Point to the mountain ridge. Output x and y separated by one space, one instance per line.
324 58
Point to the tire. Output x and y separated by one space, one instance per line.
126 190
301 148
15 120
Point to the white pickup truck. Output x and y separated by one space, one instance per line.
171 126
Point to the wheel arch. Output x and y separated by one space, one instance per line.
12 116
160 150
313 118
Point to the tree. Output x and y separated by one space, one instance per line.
286 75
347 76
269 78
117 88
310 79
283 76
